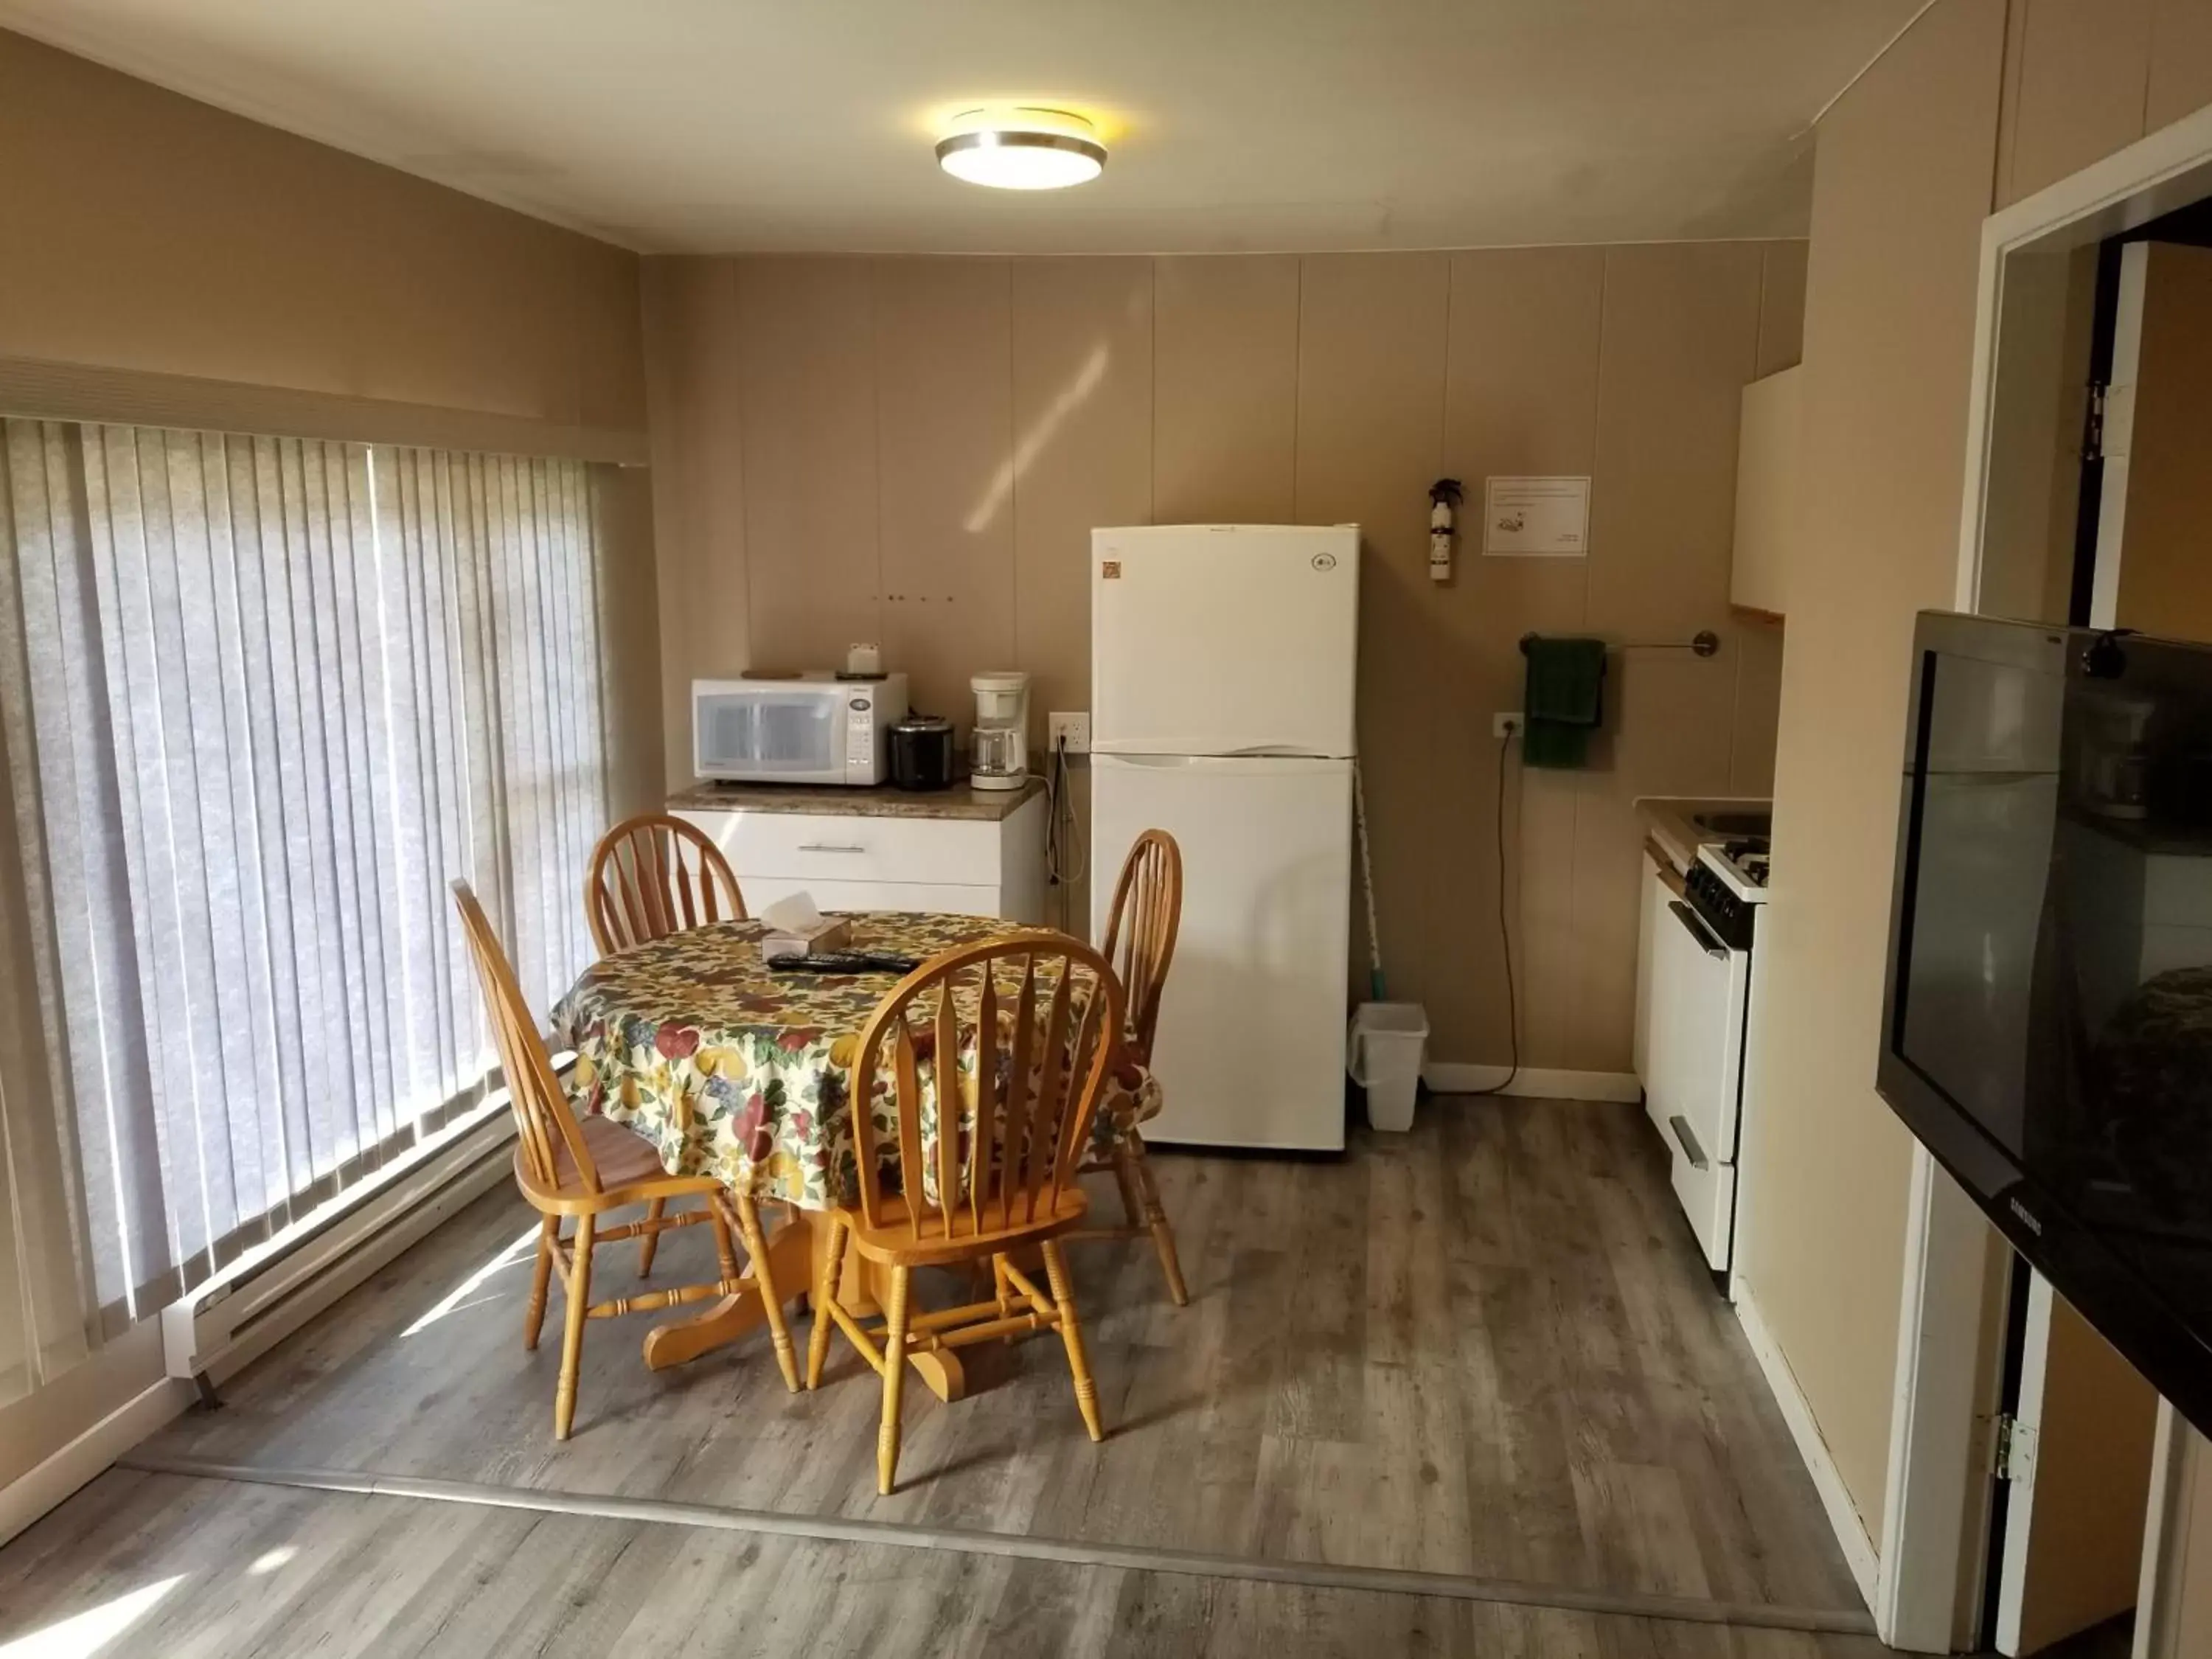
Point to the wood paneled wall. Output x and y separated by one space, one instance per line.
914 450
148 231
2083 78
1980 103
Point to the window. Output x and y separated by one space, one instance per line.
260 699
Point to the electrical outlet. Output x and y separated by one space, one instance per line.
1506 726
1074 728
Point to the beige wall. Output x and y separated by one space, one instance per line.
148 232
2166 575
1900 187
149 236
1979 102
914 450
2178 1612
2093 1484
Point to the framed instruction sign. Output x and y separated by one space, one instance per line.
1535 518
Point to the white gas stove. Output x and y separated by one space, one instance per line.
1701 1007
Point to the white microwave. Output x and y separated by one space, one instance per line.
814 729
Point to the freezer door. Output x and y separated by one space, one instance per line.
1250 1047
1224 639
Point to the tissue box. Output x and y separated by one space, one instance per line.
796 929
830 934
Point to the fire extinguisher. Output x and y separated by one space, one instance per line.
1445 496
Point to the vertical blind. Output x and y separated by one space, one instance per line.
260 699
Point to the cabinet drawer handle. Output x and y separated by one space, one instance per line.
828 846
1691 1149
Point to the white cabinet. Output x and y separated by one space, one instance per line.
964 866
1766 491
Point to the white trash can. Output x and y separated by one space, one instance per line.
1384 1055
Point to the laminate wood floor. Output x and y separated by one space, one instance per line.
153 1565
1488 1347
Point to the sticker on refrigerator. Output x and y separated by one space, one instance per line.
1109 570
1535 518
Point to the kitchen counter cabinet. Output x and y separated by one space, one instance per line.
958 851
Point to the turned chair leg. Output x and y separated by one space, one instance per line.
650 1241
1008 1295
1071 1334
825 1292
887 1437
1156 1222
572 1332
726 1253
1132 1203
534 1316
749 1225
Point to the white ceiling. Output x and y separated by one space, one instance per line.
720 125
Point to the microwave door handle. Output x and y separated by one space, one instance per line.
1711 946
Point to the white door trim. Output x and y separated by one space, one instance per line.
2020 1510
2120 433
1924 1596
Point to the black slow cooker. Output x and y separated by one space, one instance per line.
921 752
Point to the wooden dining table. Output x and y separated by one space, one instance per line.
740 1071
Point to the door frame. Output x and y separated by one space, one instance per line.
2120 433
1933 1519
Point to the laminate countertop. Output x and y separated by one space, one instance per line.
883 801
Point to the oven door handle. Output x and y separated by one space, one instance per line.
1704 935
1691 1149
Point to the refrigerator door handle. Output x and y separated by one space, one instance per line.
1166 757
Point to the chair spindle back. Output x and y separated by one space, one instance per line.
1042 1013
1140 930
542 1121
654 875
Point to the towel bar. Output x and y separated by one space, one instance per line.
1703 643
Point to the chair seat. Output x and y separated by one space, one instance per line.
891 1241
623 1156
1133 1096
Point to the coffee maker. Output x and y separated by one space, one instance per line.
999 746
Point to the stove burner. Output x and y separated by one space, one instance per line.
1750 856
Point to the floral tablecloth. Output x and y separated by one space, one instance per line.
735 1071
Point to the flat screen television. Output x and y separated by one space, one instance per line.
2047 1025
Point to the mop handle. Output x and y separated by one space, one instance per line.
1367 882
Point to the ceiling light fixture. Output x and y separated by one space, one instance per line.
1022 148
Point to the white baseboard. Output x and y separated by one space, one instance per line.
24 1499
1451 1077
1844 1516
75 1464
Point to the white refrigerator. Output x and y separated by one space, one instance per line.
1222 660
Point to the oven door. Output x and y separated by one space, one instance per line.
1699 992
762 732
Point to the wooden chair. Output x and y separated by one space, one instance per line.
583 1170
649 876
654 875
1141 941
1041 1055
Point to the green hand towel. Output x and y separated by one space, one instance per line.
1563 701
